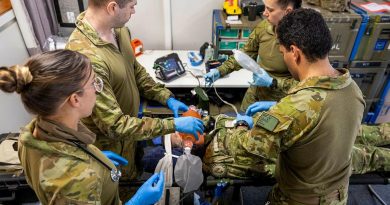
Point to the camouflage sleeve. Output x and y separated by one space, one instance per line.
251 48
368 158
108 116
376 135
279 128
284 84
148 87
65 181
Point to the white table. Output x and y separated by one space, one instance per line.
237 79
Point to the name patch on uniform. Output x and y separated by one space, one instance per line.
267 121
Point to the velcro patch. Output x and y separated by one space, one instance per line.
230 123
267 121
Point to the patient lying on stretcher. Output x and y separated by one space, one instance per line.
224 157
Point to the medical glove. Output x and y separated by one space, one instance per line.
261 80
212 76
150 192
245 118
259 106
175 106
115 158
189 125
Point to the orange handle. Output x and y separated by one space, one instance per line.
137 46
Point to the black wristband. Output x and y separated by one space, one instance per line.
242 123
274 84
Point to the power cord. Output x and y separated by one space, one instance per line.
186 68
212 86
197 78
227 103
216 92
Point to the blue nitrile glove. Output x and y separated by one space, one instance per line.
150 192
259 106
115 158
245 118
212 76
189 125
175 106
261 80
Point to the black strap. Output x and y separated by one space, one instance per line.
90 154
6 163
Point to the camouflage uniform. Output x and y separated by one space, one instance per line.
263 43
367 155
295 131
219 161
375 135
61 173
114 118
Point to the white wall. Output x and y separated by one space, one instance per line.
191 23
12 51
147 24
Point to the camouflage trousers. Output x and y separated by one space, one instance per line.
219 162
276 197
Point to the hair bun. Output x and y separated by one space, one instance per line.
23 77
15 78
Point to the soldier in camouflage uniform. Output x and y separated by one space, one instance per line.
102 37
263 44
303 130
55 149
367 155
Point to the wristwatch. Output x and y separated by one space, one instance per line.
242 123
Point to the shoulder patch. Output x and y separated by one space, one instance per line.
267 121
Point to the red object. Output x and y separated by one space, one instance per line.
137 46
189 137
230 1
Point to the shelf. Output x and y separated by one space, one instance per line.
244 20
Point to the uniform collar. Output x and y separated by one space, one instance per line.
88 30
325 82
59 148
270 29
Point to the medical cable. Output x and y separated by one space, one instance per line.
215 89
194 76
227 103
